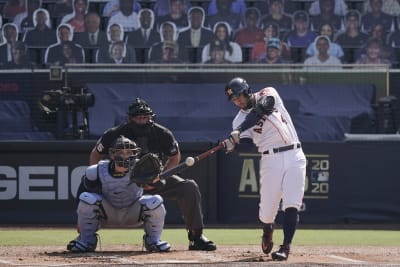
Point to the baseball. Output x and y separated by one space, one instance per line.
189 161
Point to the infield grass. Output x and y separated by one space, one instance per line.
51 236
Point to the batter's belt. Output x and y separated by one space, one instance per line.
282 148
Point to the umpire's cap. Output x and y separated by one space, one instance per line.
236 87
139 107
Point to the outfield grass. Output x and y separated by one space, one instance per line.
48 237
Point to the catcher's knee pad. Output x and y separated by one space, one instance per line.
89 204
152 207
151 202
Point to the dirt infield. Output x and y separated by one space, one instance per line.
180 256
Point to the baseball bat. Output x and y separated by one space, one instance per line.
190 161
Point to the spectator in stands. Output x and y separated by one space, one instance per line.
141 39
10 33
352 38
161 7
273 52
301 36
126 16
112 7
24 20
251 33
327 15
288 6
118 54
373 53
115 33
169 53
271 30
13 8
176 14
196 36
60 8
20 58
391 7
92 36
217 53
65 50
77 18
334 48
222 32
322 44
340 8
387 51
168 33
278 16
42 35
224 14
238 7
377 16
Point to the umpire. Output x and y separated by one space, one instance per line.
154 138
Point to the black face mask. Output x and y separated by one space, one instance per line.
140 130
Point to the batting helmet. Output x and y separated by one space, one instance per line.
139 107
236 87
124 152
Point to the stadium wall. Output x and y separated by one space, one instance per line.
347 182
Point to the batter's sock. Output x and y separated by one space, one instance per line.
268 228
290 221
267 238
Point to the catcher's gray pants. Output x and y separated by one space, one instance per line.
94 210
187 194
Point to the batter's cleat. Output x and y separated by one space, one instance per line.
159 246
201 243
266 243
282 254
78 246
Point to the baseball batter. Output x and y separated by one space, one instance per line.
264 121
110 198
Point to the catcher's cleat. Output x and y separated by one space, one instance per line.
282 254
201 243
78 246
266 243
159 246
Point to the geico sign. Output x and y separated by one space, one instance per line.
39 182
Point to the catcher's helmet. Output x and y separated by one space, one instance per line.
139 107
124 152
236 87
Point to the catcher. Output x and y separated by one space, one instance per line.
112 194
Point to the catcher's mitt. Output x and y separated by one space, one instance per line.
146 170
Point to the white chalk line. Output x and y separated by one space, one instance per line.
345 259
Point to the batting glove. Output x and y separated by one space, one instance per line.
235 136
228 145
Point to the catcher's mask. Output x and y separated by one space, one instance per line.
236 87
124 152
